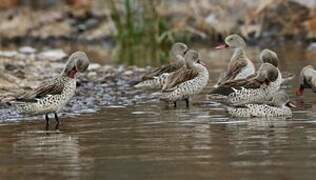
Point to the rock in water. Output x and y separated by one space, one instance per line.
53 55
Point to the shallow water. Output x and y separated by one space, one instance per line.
150 140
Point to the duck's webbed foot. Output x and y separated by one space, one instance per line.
47 122
187 102
57 121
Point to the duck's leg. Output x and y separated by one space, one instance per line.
47 121
175 104
187 102
57 120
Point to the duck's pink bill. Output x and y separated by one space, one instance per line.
221 46
202 63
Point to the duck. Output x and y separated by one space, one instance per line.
52 95
192 82
256 88
279 106
240 66
156 78
307 80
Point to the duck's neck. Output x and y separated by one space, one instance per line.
239 53
200 69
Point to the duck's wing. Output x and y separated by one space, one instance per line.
220 79
159 71
234 68
168 68
229 87
178 77
50 87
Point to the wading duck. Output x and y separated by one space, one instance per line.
182 87
307 80
52 95
279 106
156 78
240 66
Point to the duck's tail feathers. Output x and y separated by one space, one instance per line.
133 82
148 84
287 77
217 97
10 101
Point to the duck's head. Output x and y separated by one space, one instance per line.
269 56
267 73
281 98
305 79
77 62
233 41
192 57
178 49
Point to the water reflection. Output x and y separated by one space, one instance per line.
51 152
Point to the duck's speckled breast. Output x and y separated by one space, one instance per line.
189 88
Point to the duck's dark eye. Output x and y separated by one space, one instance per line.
198 61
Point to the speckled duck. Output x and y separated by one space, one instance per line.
52 95
188 86
279 106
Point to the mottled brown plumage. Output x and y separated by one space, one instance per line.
227 87
183 74
168 68
49 87
179 77
267 73
234 68
176 57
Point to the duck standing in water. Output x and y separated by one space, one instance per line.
240 66
307 80
254 89
51 96
156 78
188 82
279 106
